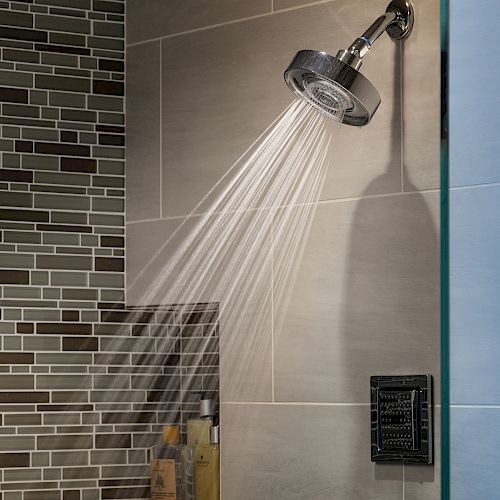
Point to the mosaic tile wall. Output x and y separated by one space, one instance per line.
85 385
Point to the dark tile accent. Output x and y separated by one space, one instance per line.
71 495
108 87
109 264
65 408
67 39
62 49
110 305
13 95
113 441
14 460
111 140
70 315
24 147
78 115
79 165
13 277
64 329
16 175
16 358
80 344
124 482
62 83
23 215
113 129
64 228
22 19
23 34
69 136
112 7
111 65
123 493
50 148
24 397
113 241
25 328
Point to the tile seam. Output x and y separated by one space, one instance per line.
229 23
320 202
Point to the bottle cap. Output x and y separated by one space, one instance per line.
171 434
207 408
215 434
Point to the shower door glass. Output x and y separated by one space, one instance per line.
471 232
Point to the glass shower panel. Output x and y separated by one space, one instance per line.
474 247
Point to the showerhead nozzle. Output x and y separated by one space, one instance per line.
333 85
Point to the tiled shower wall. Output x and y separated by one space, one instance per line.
295 396
83 382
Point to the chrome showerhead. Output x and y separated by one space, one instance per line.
333 85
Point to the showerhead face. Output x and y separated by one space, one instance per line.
334 88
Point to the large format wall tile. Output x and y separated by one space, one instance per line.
365 301
156 18
288 4
275 452
474 295
224 86
421 99
475 453
143 132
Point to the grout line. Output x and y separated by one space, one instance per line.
404 481
228 23
401 114
320 202
272 311
124 225
292 403
272 6
161 128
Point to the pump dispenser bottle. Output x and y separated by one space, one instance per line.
198 429
207 468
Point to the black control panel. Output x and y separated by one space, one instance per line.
401 419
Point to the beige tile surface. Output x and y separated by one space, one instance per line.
143 174
238 277
224 86
365 301
155 18
275 452
421 99
287 4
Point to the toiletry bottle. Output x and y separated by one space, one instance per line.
207 468
198 429
171 468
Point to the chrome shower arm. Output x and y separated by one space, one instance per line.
397 21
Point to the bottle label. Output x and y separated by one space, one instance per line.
163 486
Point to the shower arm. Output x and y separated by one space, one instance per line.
397 21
